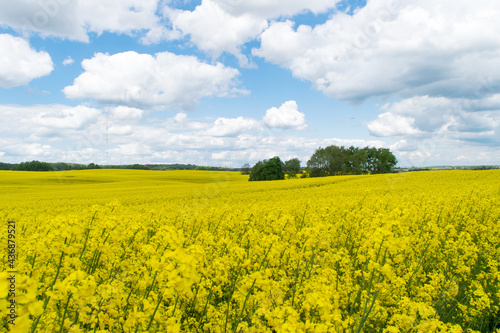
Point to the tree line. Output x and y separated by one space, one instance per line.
274 169
334 160
62 166
329 161
34 166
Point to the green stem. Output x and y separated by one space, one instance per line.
64 314
244 305
153 315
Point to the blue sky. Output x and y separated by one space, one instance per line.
228 82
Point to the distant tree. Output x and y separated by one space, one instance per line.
268 170
94 166
245 169
257 171
318 164
334 160
8 166
292 168
137 167
34 166
385 161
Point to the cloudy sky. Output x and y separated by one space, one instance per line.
225 82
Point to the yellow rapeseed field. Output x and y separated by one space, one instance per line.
198 251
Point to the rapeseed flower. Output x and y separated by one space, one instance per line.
339 254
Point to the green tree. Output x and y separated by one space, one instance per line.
317 165
357 160
268 170
94 166
334 160
7 166
384 161
292 168
137 167
34 166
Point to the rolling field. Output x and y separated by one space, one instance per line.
200 251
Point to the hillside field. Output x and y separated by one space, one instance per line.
205 251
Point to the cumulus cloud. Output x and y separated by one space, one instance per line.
68 61
271 9
160 33
424 114
213 30
232 127
19 63
125 113
71 118
75 19
389 124
50 132
25 150
428 130
218 26
163 81
132 149
122 135
443 150
287 116
403 48
120 130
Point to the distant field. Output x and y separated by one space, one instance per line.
207 251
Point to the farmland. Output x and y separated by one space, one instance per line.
205 251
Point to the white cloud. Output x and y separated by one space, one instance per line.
270 9
120 130
404 48
26 151
389 124
287 116
163 81
75 19
440 150
436 130
132 149
232 127
181 122
83 135
51 132
68 61
71 118
160 33
19 63
213 30
120 16
424 114
124 135
218 26
126 113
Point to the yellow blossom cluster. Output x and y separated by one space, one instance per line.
197 251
